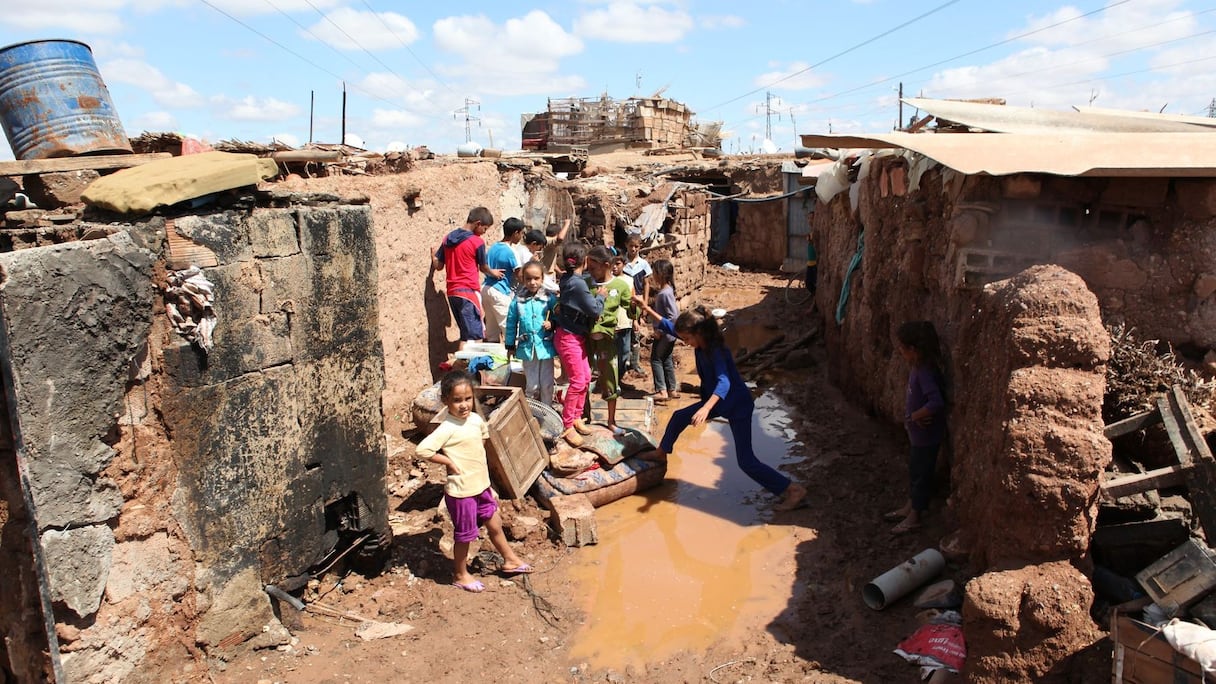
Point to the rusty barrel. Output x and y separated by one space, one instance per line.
53 102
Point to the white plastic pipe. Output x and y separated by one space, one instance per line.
898 581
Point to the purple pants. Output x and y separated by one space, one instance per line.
572 350
469 513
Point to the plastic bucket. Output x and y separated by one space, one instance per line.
53 102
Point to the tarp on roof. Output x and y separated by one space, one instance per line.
1062 154
1006 119
1206 121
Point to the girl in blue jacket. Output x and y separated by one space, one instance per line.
530 332
723 393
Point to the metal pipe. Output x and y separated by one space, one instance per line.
902 579
284 597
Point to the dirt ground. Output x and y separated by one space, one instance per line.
520 628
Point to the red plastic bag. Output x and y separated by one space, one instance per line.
935 646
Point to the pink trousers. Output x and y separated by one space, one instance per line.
572 350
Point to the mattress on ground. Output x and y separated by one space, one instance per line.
603 486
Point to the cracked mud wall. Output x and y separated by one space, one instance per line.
169 486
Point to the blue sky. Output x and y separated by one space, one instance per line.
209 68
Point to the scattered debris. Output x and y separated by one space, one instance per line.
189 297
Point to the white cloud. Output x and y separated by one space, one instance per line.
635 21
521 56
155 121
81 16
1069 64
252 108
164 90
289 139
373 31
793 76
722 21
395 119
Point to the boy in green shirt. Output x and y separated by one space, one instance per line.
602 343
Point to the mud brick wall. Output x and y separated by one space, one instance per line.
689 239
760 236
169 486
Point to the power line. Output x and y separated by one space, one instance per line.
407 47
842 53
982 49
296 54
1024 35
354 40
304 28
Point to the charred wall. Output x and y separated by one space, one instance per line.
169 485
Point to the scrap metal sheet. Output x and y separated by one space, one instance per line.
1062 154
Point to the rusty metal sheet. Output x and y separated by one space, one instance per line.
1164 155
1007 119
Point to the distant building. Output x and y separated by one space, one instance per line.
600 122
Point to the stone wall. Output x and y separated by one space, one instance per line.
168 485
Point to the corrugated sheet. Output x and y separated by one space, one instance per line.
1062 154
1006 119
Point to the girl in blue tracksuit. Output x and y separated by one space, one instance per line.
529 335
723 393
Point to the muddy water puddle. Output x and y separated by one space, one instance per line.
693 561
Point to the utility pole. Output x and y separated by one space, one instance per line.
312 107
900 127
343 113
1212 109
795 125
469 117
768 115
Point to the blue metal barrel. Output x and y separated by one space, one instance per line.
53 102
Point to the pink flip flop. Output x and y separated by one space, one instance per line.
475 586
519 570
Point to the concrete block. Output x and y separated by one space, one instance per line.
76 315
55 190
573 517
273 233
223 234
241 346
238 290
78 563
25 218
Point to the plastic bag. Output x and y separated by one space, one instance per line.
935 645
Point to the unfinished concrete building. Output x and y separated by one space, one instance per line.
601 123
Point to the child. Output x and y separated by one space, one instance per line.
554 235
459 445
603 332
924 419
530 333
723 393
577 310
638 269
535 241
624 319
662 366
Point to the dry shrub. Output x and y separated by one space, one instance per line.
1138 373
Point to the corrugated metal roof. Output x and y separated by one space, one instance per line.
1061 154
1006 119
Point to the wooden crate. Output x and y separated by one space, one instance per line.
515 452
1143 656
634 413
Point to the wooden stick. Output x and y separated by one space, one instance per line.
1127 485
760 350
103 161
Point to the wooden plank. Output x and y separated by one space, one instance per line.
1127 485
102 161
1193 454
1132 424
